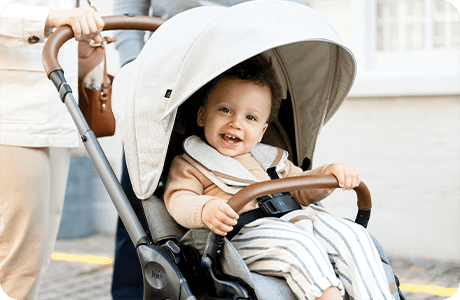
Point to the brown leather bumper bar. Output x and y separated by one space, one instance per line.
63 34
258 189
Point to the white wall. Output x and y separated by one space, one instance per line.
429 71
408 153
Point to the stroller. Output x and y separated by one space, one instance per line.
316 72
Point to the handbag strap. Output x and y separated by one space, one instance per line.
90 55
90 3
106 83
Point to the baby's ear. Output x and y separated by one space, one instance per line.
263 132
200 117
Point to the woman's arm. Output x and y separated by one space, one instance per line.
22 25
130 42
85 22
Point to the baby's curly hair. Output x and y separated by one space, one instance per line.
256 69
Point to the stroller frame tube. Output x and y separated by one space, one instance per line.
103 167
162 278
154 260
105 171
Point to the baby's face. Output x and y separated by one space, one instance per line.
235 116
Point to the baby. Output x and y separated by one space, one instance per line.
318 254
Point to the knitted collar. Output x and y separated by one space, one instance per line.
228 169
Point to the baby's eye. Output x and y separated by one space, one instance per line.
251 118
225 110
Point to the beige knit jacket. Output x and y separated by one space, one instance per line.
188 190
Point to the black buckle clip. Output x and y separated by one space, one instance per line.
278 204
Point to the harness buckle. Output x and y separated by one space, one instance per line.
279 204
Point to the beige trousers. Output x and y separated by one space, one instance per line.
32 189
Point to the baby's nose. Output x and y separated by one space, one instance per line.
236 121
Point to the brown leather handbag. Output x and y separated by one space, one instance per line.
95 90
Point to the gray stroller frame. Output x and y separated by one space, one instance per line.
171 269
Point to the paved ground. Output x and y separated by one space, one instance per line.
79 280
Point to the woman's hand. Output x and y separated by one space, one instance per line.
85 22
218 216
347 176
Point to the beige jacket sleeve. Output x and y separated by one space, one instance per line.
185 193
306 196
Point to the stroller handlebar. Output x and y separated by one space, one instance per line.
258 189
65 33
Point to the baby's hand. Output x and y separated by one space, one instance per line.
219 216
347 176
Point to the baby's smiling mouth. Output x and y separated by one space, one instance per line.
230 139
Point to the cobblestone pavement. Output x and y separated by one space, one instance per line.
81 281
426 273
65 281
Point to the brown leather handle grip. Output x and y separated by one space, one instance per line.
63 34
258 189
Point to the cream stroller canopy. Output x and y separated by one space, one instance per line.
193 47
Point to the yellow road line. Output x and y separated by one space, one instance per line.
428 289
90 259
104 260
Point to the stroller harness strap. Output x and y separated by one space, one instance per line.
276 205
230 176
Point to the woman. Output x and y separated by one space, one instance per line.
36 133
